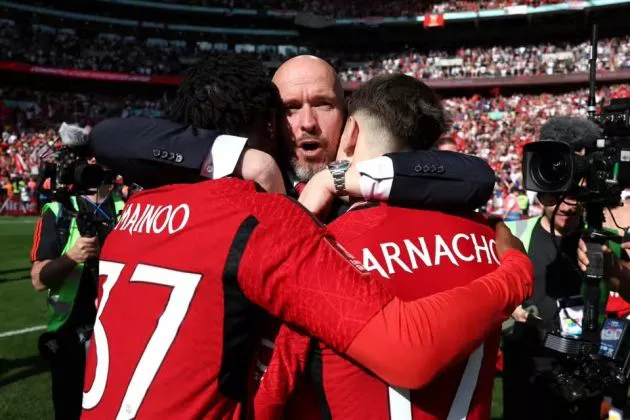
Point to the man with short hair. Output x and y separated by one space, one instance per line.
552 242
62 255
392 113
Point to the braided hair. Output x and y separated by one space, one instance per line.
228 92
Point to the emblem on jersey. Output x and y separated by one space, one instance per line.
347 255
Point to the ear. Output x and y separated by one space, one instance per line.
351 135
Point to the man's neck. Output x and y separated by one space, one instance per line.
101 195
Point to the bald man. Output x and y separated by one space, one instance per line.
315 113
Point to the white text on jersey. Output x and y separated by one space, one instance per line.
406 255
153 219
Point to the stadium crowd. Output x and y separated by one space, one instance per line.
363 8
530 60
29 119
45 46
493 128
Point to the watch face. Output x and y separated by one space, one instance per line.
340 164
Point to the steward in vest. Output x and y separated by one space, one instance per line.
523 202
59 257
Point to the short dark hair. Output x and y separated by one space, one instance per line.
226 92
408 108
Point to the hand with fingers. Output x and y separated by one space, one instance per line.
616 271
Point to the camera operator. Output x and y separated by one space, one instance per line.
61 255
557 278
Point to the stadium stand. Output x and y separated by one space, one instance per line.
341 8
499 61
61 47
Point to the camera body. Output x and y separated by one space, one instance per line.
71 173
594 172
586 372
597 175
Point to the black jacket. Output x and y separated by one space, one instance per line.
154 152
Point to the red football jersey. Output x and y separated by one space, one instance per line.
417 253
182 280
187 268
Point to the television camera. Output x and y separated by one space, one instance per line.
595 363
71 174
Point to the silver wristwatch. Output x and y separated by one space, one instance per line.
338 170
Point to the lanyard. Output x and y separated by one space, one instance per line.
98 209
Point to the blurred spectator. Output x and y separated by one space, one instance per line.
362 8
30 120
499 61
61 47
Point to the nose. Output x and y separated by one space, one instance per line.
308 120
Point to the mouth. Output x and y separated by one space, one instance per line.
309 148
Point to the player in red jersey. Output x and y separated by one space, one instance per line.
188 268
388 114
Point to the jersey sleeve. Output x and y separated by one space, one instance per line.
293 268
442 328
46 245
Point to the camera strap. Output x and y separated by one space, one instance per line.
62 224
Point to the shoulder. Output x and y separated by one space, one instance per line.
279 209
359 220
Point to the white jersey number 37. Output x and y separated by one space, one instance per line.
184 286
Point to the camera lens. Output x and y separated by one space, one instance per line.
551 170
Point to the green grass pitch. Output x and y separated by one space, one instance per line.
24 379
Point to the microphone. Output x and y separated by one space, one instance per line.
73 135
578 132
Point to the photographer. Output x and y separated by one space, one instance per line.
61 256
557 278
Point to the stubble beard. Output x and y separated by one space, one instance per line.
305 171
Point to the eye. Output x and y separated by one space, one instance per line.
291 108
324 105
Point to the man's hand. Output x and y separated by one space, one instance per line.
84 249
318 194
261 168
506 241
320 191
583 258
616 272
520 314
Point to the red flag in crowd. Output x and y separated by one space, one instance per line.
431 21
19 163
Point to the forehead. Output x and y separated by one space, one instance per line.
310 83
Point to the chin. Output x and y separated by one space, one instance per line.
304 172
